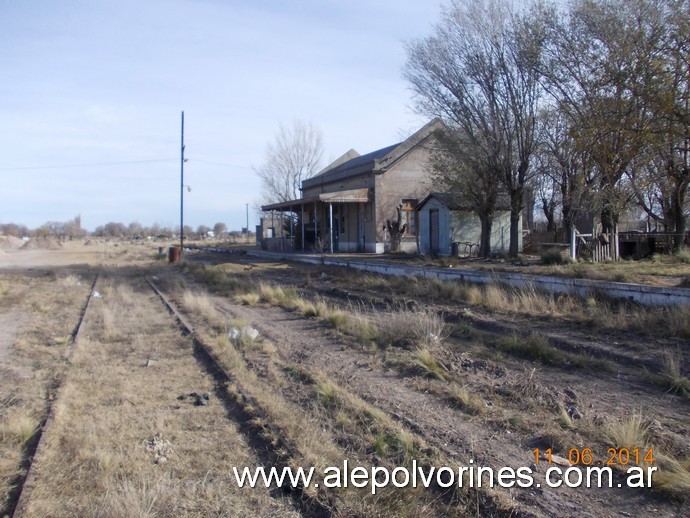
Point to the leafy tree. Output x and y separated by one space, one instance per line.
598 60
661 176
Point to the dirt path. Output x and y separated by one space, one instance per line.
11 326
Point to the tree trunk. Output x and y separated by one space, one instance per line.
567 215
608 219
515 230
679 220
485 240
549 209
514 233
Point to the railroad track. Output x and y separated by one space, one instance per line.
324 504
29 481
239 407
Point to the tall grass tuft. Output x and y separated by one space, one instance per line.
672 374
425 360
631 432
466 400
673 477
406 327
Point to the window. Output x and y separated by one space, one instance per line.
409 216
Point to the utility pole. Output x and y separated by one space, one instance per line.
182 188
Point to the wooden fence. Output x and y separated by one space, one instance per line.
597 248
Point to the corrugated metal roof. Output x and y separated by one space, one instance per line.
350 196
353 166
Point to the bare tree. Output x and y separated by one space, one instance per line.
478 72
396 229
561 166
202 231
295 155
219 229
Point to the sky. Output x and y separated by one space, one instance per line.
92 93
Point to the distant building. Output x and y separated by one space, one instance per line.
346 205
344 208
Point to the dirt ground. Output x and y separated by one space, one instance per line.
489 403
523 396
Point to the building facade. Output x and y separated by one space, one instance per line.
344 208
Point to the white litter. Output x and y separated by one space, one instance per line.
96 295
250 333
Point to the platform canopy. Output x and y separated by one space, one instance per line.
351 196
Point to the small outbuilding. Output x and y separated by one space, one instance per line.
446 228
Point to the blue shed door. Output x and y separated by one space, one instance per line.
433 231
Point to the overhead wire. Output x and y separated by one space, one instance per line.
127 162
98 164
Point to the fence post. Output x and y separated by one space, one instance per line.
573 243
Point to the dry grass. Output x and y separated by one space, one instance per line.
99 460
44 310
668 321
412 327
327 392
17 427
425 360
248 299
537 347
673 477
313 442
144 496
354 322
369 424
672 375
467 400
565 421
311 309
202 304
276 295
630 432
110 331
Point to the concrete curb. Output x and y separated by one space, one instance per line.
642 294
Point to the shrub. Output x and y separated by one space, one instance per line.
552 256
683 255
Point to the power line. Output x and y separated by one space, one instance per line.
100 164
129 162
218 163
